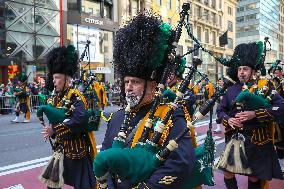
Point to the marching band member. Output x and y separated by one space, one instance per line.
277 75
71 136
256 126
22 95
139 50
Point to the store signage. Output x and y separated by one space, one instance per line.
104 70
94 21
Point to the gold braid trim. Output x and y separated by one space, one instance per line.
91 135
161 113
192 131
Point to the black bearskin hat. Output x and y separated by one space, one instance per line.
275 67
62 60
248 54
141 46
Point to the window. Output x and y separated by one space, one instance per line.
169 4
206 2
240 9
134 7
178 6
90 10
72 5
251 17
251 6
220 20
206 14
92 7
230 11
220 4
159 2
214 18
206 36
230 26
214 38
213 4
198 11
107 10
230 43
241 19
198 32
189 56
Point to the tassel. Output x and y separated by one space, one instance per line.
54 177
235 147
231 160
243 158
47 172
54 171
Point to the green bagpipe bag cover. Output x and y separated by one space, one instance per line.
91 120
252 101
54 115
201 175
133 164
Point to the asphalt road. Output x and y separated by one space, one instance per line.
21 142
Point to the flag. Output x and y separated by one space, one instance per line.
223 39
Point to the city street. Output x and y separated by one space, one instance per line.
23 153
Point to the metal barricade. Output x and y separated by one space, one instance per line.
115 98
36 101
7 103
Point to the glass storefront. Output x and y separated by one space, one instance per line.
101 45
32 28
97 8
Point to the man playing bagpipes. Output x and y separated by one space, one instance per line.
249 118
277 77
22 95
74 144
174 80
139 51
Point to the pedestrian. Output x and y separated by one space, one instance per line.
253 126
218 129
139 61
70 136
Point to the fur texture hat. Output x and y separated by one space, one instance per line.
141 47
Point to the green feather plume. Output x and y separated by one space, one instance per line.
260 50
181 67
169 94
162 44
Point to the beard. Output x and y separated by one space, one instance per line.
132 99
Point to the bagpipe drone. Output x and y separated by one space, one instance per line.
138 163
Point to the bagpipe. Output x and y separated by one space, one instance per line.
57 115
138 163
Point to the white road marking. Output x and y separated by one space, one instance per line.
18 186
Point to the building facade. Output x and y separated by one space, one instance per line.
94 21
257 19
209 19
28 30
